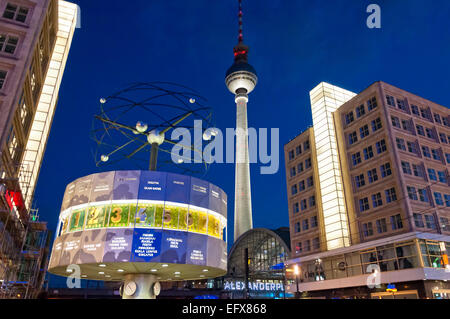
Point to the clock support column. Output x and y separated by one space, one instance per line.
140 286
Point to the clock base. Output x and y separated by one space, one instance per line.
144 286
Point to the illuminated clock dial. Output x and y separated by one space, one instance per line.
130 288
156 288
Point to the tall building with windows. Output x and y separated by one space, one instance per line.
368 190
35 37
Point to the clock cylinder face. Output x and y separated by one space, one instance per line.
130 288
156 288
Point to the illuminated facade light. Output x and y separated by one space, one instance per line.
325 99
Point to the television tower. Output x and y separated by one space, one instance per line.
241 79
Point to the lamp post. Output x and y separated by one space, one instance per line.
296 273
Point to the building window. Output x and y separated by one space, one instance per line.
310 181
291 155
352 138
363 204
438 199
401 104
376 200
396 222
356 158
447 156
412 194
305 224
445 224
390 100
390 195
443 138
424 113
294 189
298 150
313 221
360 111
437 118
401 144
306 145
297 227
405 125
415 110
2 78
367 229
412 147
423 195
376 124
395 122
303 204
426 151
292 170
364 131
406 168
418 220
442 177
372 104
312 201
372 175
301 186
368 153
418 170
349 117
385 170
316 243
14 12
429 220
8 44
420 130
447 200
445 121
299 248
308 163
359 181
295 208
430 133
300 168
381 225
381 146
436 154
308 245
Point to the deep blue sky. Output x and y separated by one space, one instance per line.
294 45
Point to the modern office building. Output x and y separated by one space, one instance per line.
35 37
369 196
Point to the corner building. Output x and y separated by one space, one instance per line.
35 38
368 190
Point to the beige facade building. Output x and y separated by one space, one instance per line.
368 190
35 37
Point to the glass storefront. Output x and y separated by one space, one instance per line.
391 257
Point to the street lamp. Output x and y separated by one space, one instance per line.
296 273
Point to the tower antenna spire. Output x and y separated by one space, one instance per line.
241 37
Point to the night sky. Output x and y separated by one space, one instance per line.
294 45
